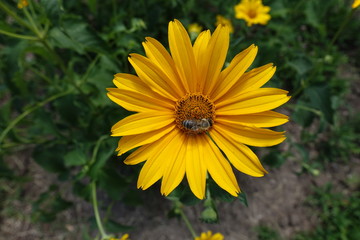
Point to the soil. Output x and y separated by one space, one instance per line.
277 200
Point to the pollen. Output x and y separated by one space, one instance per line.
194 107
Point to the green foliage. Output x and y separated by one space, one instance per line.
339 215
58 57
266 233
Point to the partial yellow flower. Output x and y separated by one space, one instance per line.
194 28
209 236
22 4
194 118
224 21
356 3
253 12
123 237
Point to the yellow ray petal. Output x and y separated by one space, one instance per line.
135 84
136 101
183 55
234 71
200 48
219 168
141 154
175 172
195 166
262 119
127 143
250 81
260 100
141 123
240 156
155 166
257 137
216 55
157 53
153 76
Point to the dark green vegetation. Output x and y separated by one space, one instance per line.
58 57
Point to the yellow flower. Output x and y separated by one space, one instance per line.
356 3
22 4
124 237
194 28
253 12
191 113
208 236
224 21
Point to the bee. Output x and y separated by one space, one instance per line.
197 125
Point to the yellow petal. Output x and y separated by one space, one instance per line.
195 165
175 171
200 48
127 143
155 166
141 123
157 53
136 101
262 119
240 156
234 71
215 55
183 55
250 81
135 84
260 100
153 76
141 154
219 168
257 137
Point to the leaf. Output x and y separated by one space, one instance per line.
115 227
320 98
301 65
274 159
243 199
75 157
50 157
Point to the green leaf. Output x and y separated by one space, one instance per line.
320 98
5 171
50 157
75 157
274 159
209 215
301 65
243 199
115 227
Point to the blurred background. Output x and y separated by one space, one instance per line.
58 57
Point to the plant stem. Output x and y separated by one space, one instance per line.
187 222
28 111
342 26
13 15
96 211
25 37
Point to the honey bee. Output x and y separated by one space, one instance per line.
197 125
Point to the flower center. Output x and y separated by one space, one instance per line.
195 113
252 13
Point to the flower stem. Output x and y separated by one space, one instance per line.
96 211
342 26
25 37
13 15
187 222
28 111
